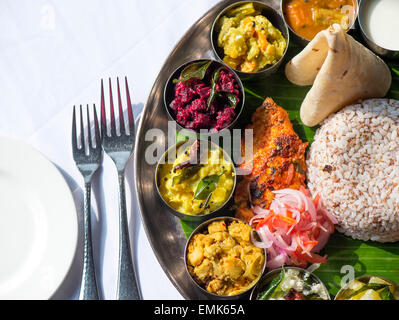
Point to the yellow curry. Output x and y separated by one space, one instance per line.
223 258
308 17
249 40
200 188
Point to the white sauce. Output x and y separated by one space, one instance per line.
381 23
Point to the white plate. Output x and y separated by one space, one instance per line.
38 223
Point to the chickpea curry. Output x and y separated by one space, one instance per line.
223 259
308 17
249 39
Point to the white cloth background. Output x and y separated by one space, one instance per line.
52 56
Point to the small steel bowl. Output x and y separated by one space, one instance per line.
301 40
187 217
274 273
384 52
169 94
201 228
366 278
277 21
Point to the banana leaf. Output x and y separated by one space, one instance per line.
346 257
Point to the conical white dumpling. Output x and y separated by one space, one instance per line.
341 70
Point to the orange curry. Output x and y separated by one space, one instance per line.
309 17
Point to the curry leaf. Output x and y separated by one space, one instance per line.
196 70
207 201
271 287
215 78
185 135
386 294
230 97
186 173
207 185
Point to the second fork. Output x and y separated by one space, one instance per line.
119 148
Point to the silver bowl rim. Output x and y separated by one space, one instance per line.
276 13
188 217
363 277
278 270
363 3
304 40
214 295
221 63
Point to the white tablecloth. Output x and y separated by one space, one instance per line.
52 56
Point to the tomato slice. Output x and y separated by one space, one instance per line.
265 220
298 261
309 245
331 224
288 220
311 257
311 242
282 222
316 200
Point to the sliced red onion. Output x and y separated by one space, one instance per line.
292 247
322 228
329 215
311 208
258 210
277 261
280 244
264 244
322 240
298 195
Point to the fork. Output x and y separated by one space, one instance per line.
119 148
87 163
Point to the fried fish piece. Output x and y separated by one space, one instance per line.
278 160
